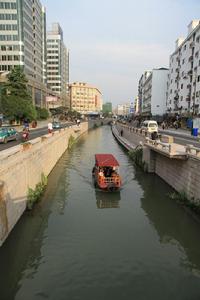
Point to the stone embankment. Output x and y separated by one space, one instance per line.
21 168
178 165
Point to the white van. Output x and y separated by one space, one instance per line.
150 126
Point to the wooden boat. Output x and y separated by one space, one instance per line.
106 172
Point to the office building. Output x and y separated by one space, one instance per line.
22 34
85 98
58 65
107 107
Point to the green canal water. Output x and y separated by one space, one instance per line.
81 243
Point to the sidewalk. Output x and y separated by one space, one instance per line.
179 131
40 124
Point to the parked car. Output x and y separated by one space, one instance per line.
150 126
56 125
8 134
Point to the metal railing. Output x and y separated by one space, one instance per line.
170 148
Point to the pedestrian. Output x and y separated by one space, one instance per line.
26 124
154 135
78 122
163 125
50 127
175 124
121 132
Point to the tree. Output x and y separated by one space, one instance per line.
42 113
17 102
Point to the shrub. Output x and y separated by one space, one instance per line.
71 141
42 113
34 195
181 197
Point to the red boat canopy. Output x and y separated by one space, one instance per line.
106 160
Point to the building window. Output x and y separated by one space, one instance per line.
182 86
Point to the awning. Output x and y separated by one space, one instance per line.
105 160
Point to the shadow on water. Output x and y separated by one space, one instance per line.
22 250
173 225
107 199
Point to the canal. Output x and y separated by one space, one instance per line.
81 243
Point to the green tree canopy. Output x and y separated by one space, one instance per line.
17 102
42 113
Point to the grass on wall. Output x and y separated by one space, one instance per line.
34 195
137 156
71 141
182 198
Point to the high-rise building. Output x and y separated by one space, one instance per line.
183 93
44 45
22 29
152 92
85 98
58 65
136 106
107 107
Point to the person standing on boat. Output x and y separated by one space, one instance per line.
101 173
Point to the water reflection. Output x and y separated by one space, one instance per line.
107 200
64 250
21 254
173 226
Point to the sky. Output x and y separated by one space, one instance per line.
112 42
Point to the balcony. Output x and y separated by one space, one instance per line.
192 44
188 98
176 97
190 58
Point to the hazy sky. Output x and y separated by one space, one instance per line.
112 42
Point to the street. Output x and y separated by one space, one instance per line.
33 134
182 137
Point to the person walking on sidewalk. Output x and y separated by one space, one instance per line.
175 124
50 127
163 125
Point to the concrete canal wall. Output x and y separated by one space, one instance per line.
21 168
98 122
177 165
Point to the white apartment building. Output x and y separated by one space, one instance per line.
152 92
22 41
123 109
136 106
183 93
58 65
140 89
